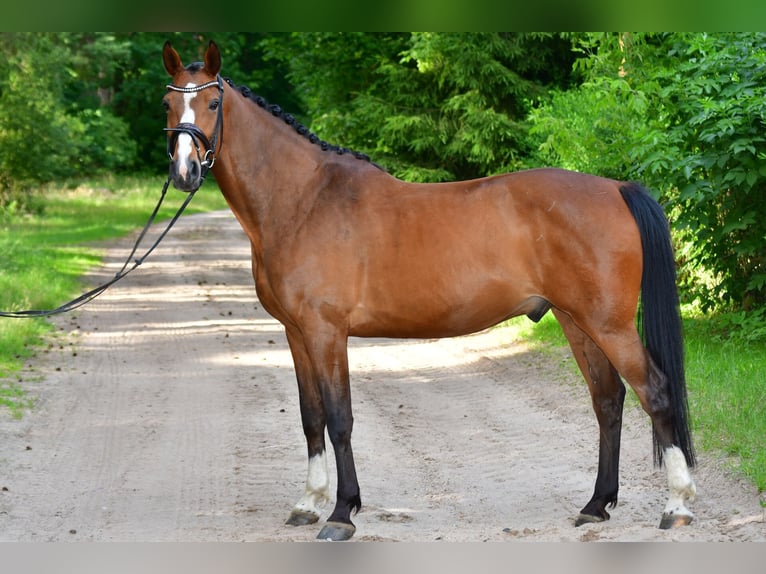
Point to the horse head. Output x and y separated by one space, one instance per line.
194 105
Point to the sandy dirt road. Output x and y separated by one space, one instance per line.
166 410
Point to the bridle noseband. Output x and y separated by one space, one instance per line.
206 160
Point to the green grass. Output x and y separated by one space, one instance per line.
726 383
726 378
44 254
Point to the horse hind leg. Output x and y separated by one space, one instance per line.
661 399
607 395
655 399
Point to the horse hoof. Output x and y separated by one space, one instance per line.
589 519
301 518
675 520
336 531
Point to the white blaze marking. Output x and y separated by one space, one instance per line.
317 486
679 481
184 147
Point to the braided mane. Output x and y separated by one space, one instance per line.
290 120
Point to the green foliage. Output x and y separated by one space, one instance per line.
464 109
49 127
684 114
34 130
429 106
739 327
330 72
726 377
586 128
711 106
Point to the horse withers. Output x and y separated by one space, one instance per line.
341 248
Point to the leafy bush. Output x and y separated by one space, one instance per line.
706 151
589 128
686 115
48 129
103 142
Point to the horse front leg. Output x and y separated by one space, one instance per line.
321 364
317 493
331 364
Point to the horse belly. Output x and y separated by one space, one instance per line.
445 277
431 310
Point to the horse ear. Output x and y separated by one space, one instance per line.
212 59
171 59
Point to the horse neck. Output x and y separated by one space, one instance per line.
262 170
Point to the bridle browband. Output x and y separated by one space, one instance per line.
210 146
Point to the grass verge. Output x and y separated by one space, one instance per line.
43 254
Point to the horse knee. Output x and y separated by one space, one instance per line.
339 427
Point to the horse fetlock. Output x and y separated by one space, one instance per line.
680 481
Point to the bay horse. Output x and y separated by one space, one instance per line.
341 248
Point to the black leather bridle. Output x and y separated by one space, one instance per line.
210 146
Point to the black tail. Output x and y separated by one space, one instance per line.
659 317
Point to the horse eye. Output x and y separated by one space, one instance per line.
213 105
166 105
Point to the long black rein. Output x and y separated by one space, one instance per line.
206 159
125 270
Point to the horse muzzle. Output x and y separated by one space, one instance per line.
186 174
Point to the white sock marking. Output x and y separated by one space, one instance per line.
317 486
680 482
